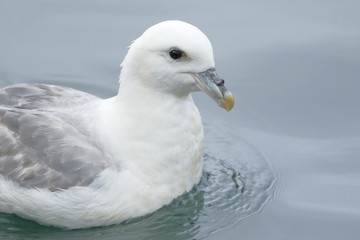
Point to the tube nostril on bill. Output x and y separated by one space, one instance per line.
220 82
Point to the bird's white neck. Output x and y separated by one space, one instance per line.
161 138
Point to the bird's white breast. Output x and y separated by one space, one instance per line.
157 153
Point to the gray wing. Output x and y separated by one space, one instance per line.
41 96
43 146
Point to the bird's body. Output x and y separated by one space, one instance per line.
70 159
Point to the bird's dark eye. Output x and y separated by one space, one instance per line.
175 54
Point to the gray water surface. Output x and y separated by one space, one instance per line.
283 164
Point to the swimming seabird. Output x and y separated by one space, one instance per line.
70 159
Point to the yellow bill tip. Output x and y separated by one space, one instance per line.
227 102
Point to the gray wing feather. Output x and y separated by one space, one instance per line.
41 96
43 146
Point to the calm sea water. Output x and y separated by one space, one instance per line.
284 164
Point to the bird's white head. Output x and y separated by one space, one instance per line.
176 58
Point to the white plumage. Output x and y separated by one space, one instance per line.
69 159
